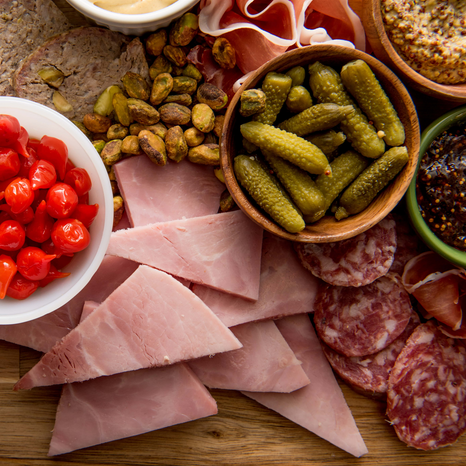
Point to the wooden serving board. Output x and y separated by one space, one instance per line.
243 432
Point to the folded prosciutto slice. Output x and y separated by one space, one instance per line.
150 320
222 251
286 288
182 190
265 363
320 406
438 286
123 405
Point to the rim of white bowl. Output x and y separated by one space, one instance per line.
97 13
41 110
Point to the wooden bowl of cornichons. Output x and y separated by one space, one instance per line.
423 42
300 157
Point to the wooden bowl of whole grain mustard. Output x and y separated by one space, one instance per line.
325 228
425 51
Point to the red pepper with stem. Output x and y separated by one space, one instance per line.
12 235
9 163
85 213
40 229
79 179
33 263
21 288
42 175
8 270
19 195
10 129
54 151
52 275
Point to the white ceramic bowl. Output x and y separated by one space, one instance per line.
39 121
133 24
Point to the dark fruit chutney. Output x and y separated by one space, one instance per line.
441 186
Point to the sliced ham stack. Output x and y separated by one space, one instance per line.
221 251
150 320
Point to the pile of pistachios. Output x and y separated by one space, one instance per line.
174 116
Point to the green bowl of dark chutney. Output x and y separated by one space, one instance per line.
457 257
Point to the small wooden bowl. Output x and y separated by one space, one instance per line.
326 229
385 52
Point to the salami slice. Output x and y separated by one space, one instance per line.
427 389
365 320
368 375
356 261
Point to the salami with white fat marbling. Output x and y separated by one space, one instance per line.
368 375
365 320
356 261
426 398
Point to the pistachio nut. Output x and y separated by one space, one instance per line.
218 127
194 137
51 76
205 154
60 103
111 152
118 210
96 123
203 118
175 143
153 146
224 53
184 30
136 86
117 131
211 95
99 144
182 99
192 72
218 172
175 114
121 108
226 202
161 65
156 42
176 55
252 101
184 85
161 87
142 112
130 145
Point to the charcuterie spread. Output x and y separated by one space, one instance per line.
192 295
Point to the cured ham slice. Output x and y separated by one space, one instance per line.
365 320
127 404
265 363
247 22
88 308
320 406
355 261
286 288
427 390
182 190
150 320
436 284
221 251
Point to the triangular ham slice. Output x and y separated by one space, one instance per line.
265 363
128 404
222 251
278 297
150 320
180 190
320 406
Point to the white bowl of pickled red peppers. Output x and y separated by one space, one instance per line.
56 210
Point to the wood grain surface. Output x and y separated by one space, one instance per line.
243 432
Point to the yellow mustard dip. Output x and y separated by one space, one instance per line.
132 7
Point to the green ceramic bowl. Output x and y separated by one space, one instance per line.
453 255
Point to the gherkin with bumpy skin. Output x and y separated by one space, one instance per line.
298 183
362 84
345 169
327 141
264 190
298 99
326 86
297 75
276 87
316 118
288 146
371 181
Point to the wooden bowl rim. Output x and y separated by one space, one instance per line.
372 19
307 235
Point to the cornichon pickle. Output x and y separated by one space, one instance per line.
326 86
297 75
298 99
288 146
298 183
327 141
361 82
264 190
371 181
316 118
276 87
345 169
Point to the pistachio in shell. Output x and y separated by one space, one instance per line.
184 30
136 86
153 146
175 114
160 65
176 55
142 112
224 53
211 95
161 88
205 154
175 143
156 41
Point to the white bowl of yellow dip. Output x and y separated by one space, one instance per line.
132 17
